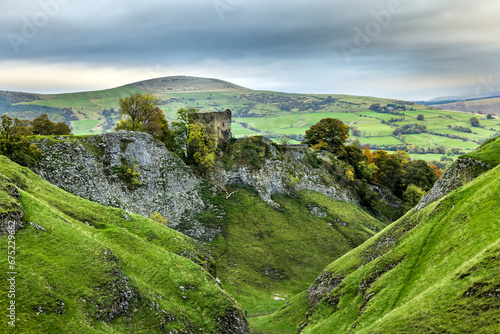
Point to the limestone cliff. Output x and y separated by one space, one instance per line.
89 168
286 170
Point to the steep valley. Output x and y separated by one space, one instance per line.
248 244
261 234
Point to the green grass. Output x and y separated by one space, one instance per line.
488 152
433 271
291 244
85 127
70 262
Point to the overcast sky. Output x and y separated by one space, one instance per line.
404 49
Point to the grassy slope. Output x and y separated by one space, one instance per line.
442 276
488 152
289 241
68 263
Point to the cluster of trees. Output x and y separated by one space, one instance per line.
387 109
44 126
396 171
190 140
14 134
395 106
460 128
14 143
393 120
412 128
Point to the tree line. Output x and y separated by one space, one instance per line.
15 134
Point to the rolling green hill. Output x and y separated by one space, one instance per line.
85 268
436 270
273 114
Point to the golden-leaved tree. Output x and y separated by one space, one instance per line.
201 145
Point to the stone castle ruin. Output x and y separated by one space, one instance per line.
218 122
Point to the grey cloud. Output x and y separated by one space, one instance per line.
425 38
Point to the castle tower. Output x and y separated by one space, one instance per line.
218 122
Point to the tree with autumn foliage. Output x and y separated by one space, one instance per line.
438 172
138 109
328 134
201 145
368 154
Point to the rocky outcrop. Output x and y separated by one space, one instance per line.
117 294
90 168
286 171
385 194
463 171
232 321
11 213
322 286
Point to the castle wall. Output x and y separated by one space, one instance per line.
219 122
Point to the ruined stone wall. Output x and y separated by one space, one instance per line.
219 122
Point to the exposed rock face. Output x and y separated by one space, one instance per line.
119 294
463 171
286 171
11 214
387 195
89 168
322 286
232 321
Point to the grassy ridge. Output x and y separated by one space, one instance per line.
433 271
267 254
89 258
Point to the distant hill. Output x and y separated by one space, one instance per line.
184 84
481 106
479 95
